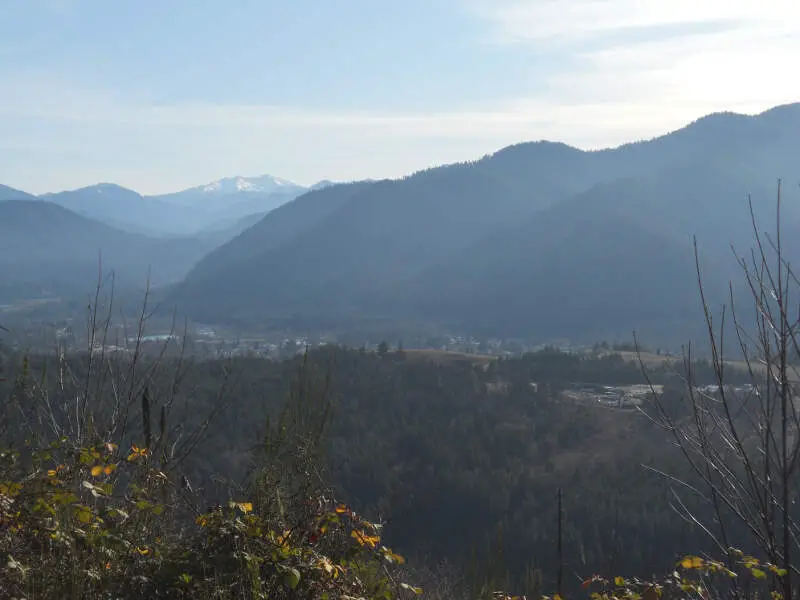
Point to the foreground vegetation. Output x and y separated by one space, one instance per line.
82 516
226 487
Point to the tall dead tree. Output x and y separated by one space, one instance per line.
743 444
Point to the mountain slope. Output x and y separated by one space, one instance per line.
611 260
355 237
123 209
283 225
9 193
48 248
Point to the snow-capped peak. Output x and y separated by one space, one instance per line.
263 183
243 185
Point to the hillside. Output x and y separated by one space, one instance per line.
284 224
124 209
539 237
45 248
9 193
346 240
614 259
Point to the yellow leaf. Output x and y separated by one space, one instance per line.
109 469
342 509
358 536
364 539
56 471
10 489
750 562
282 539
692 562
97 470
202 520
245 507
619 581
143 551
136 452
326 565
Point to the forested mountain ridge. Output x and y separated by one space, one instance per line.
48 249
118 207
611 260
9 193
456 243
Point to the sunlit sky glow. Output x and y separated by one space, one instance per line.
159 96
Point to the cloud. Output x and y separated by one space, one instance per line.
61 133
671 58
576 21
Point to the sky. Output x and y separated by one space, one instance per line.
163 95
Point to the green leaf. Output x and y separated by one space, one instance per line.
778 571
758 573
291 577
83 514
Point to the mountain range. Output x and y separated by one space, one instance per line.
539 239
208 207
53 244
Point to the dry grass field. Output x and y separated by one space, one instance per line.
649 359
446 356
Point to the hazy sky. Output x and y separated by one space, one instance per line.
158 95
